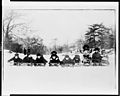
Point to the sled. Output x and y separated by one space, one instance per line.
77 64
86 62
67 64
27 64
15 63
102 63
54 64
21 64
39 64
96 64
105 62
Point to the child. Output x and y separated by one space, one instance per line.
16 59
28 59
40 59
86 53
76 59
67 60
96 57
54 58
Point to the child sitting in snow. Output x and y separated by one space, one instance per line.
28 59
67 60
16 59
86 53
54 58
40 59
96 57
76 59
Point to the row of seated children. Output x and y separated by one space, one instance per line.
28 59
40 59
96 57
67 60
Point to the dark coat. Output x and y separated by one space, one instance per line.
18 60
25 51
76 59
28 60
54 60
41 60
68 61
96 57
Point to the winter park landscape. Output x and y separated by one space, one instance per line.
65 32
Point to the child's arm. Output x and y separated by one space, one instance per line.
11 59
45 60
90 50
93 56
81 51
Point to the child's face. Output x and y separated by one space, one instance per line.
67 58
16 57
96 51
54 57
38 56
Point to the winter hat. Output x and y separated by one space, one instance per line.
16 54
38 54
85 47
77 56
97 49
66 56
53 52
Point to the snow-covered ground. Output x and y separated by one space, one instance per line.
58 80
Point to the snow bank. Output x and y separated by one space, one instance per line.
55 80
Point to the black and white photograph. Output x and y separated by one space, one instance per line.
59 48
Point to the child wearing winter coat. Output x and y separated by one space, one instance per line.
76 59
40 59
96 56
67 60
16 59
86 51
28 59
54 58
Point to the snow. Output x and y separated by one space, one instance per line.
58 80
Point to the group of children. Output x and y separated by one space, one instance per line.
96 56
54 59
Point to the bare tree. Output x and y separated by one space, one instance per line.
9 25
80 42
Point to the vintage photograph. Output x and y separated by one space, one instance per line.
60 50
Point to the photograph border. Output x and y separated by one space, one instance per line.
116 46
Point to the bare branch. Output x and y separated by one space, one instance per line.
14 26
3 27
8 25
